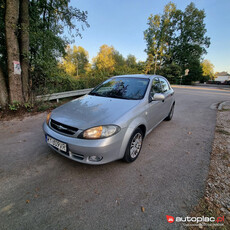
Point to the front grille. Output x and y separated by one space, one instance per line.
66 129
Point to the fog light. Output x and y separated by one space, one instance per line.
95 158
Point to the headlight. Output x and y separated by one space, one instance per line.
48 118
100 132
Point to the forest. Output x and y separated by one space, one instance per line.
36 56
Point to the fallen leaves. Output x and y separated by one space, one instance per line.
96 192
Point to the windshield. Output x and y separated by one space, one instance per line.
124 88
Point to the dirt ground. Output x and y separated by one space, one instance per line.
216 201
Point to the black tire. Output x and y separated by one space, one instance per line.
130 156
170 115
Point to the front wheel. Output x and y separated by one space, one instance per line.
134 146
169 117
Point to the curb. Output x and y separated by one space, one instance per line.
220 107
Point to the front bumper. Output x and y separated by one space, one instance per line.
81 149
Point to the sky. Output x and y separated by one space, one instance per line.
121 23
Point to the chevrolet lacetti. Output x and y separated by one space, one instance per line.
110 122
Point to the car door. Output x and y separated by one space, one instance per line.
155 114
168 92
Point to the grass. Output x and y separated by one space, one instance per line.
47 105
19 111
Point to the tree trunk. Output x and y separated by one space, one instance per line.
3 90
155 64
24 46
11 25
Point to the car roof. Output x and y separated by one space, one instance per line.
147 76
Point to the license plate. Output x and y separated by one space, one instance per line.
57 144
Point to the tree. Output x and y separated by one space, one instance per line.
124 66
159 37
169 30
48 21
119 59
141 66
120 67
104 61
153 38
172 72
195 72
32 36
149 64
3 89
24 46
191 43
3 58
13 57
131 61
76 61
176 37
68 63
208 69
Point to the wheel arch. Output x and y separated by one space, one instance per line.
136 123
143 129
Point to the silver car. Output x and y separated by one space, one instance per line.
110 122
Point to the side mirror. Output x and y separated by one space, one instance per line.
158 97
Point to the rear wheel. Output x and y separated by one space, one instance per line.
134 146
170 116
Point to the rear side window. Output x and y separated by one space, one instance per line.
156 87
164 85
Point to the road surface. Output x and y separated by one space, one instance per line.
40 189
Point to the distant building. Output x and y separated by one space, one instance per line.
222 77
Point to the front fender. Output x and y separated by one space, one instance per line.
132 126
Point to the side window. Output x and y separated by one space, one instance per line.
156 87
164 85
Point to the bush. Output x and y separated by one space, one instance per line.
204 79
60 81
14 106
172 72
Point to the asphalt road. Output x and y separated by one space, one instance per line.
40 189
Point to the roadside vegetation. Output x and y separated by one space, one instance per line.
17 110
216 200
37 58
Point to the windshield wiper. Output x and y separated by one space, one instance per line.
120 97
111 96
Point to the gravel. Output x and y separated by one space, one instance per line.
216 200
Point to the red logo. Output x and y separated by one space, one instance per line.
170 219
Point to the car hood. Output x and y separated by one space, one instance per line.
89 111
